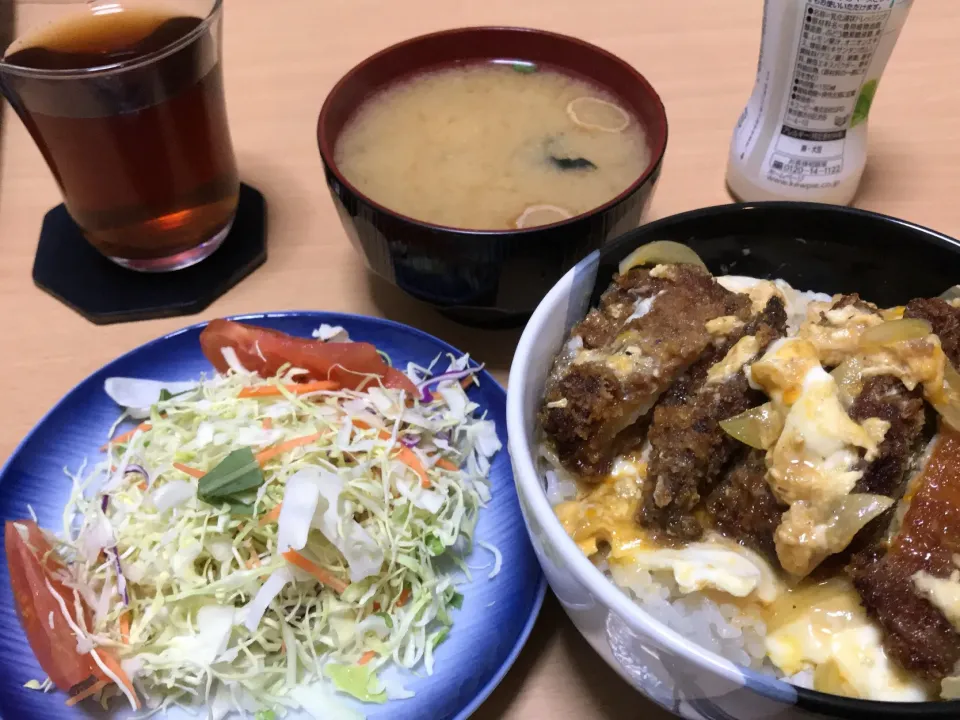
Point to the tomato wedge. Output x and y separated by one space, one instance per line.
52 640
264 351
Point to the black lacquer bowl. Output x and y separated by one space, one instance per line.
485 277
813 247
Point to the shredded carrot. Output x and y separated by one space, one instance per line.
125 627
142 427
271 516
142 485
328 579
267 423
254 560
271 452
409 458
293 388
466 382
366 657
111 662
404 597
83 695
191 471
447 465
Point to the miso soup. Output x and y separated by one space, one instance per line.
492 146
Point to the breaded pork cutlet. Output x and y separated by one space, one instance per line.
896 583
689 449
650 327
743 507
944 318
887 398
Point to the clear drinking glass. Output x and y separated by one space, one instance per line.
125 100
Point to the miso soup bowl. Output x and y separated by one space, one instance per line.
484 277
811 246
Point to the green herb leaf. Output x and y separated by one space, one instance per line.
166 394
435 545
443 616
456 601
524 67
439 637
386 619
237 472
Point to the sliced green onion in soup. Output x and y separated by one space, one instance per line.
542 215
661 252
593 113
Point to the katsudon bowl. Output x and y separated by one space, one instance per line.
811 246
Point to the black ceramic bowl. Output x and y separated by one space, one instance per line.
813 247
485 277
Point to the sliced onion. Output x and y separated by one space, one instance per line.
596 114
850 515
947 401
121 580
661 252
894 331
849 378
758 427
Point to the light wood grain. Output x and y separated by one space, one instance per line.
282 58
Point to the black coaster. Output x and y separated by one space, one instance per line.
67 267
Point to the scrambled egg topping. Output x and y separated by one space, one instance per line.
814 461
837 334
823 628
916 362
605 514
742 352
712 564
724 325
943 593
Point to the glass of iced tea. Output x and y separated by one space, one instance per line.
125 101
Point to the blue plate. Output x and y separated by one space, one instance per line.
489 630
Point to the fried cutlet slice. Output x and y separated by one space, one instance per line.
944 318
893 580
887 398
743 507
689 449
650 327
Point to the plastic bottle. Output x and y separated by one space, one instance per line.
803 133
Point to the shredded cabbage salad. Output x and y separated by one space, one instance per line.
263 595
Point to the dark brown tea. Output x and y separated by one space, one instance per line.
142 151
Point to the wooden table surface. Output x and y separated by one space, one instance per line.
280 61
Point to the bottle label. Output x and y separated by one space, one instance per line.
837 60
